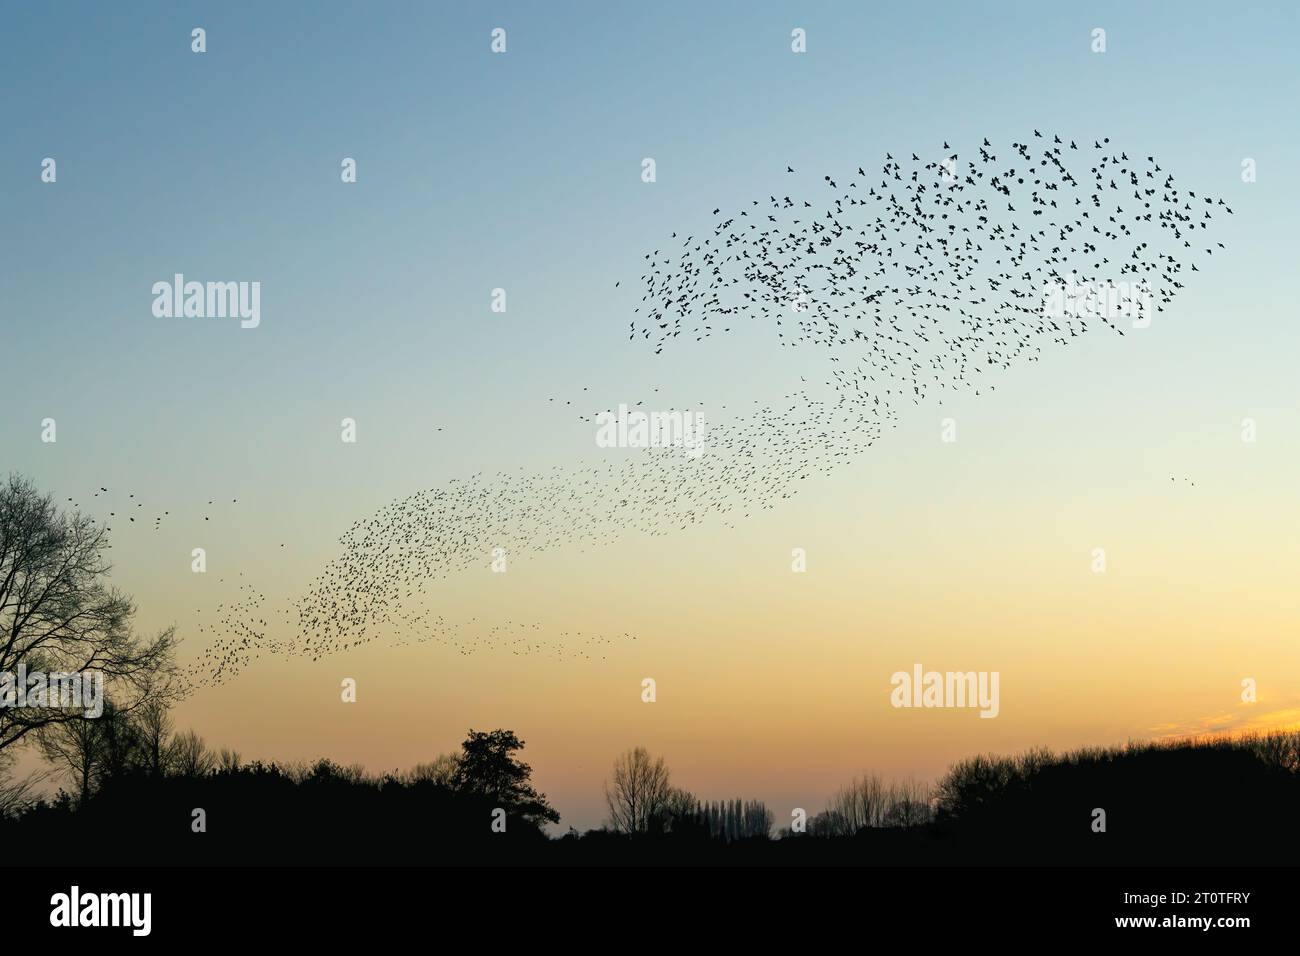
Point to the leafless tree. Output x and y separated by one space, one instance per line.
16 793
75 747
154 724
829 823
441 771
736 819
57 614
190 757
228 760
861 804
680 805
153 721
638 793
756 820
909 805
869 802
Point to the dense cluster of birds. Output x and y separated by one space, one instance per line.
921 277
930 272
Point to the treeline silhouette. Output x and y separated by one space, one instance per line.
136 792
141 798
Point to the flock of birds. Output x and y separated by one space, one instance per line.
241 634
931 272
920 277
389 567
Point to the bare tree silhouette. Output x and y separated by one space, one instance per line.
441 771
16 795
189 756
75 747
57 614
638 794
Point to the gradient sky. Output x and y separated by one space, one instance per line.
522 171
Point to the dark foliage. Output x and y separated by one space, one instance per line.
1199 802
